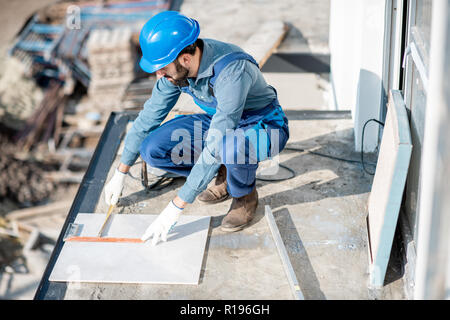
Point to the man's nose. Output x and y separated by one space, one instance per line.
160 73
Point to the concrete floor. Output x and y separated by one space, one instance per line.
321 216
320 212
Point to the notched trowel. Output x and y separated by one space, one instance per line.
73 233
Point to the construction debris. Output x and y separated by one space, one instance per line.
10 249
45 119
112 60
21 180
15 239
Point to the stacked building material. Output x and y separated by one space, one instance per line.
137 93
70 54
111 58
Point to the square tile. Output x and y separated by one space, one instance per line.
177 261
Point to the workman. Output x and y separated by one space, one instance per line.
227 84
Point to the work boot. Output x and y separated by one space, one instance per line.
241 212
218 192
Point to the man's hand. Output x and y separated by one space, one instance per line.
163 224
113 189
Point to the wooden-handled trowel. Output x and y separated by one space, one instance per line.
111 207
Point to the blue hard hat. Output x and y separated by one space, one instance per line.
163 37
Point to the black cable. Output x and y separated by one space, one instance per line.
154 186
159 182
362 143
281 179
133 177
325 155
312 152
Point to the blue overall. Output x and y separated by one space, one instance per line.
265 130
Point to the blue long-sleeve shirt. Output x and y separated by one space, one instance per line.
240 86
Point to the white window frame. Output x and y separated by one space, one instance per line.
433 256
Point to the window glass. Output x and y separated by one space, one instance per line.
417 123
447 63
423 24
418 98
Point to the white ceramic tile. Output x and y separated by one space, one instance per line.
177 261
388 185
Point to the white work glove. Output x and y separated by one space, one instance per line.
163 224
113 189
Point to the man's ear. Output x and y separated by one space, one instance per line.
185 60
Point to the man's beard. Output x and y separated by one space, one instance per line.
182 73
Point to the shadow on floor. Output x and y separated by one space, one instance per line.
349 179
298 63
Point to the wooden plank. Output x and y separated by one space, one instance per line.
64 176
263 43
292 279
58 121
39 210
32 239
8 232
